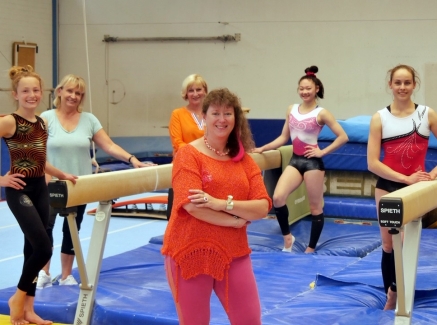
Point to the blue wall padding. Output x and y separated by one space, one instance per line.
352 156
350 207
142 147
265 131
349 157
357 128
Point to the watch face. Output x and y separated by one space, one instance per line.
229 203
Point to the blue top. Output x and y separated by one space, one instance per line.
70 151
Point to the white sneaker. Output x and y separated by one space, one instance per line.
69 281
289 249
44 280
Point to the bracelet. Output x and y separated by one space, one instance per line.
130 158
236 221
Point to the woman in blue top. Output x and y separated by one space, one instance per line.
71 132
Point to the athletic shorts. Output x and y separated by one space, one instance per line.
303 164
389 186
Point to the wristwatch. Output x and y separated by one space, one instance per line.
229 203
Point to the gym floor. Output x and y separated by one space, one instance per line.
124 235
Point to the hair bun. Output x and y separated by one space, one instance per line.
16 70
312 69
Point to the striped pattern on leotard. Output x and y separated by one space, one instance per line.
28 147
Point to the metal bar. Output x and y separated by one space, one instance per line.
409 260
400 277
55 49
223 38
87 293
71 218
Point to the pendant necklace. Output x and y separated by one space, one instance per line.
221 154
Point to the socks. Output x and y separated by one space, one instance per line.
282 217
316 229
388 271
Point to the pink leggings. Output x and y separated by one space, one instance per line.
194 295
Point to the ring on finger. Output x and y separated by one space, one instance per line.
205 199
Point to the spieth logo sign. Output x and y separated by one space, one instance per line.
390 213
56 195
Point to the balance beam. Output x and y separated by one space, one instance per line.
398 208
108 186
402 211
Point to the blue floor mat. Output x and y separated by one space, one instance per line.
335 240
345 270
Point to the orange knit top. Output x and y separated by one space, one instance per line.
198 247
184 128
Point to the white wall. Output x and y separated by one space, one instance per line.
30 21
353 42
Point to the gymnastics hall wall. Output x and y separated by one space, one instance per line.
135 85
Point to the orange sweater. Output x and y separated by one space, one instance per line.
196 246
183 128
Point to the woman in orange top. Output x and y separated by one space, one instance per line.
205 243
186 123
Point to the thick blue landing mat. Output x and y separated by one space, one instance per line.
336 239
339 303
348 289
367 270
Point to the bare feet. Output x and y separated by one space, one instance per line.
16 308
33 318
392 297
30 315
288 243
309 250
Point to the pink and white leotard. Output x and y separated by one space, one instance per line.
304 129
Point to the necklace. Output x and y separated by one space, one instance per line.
199 121
221 154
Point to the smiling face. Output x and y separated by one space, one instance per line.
307 90
402 84
71 96
220 120
195 94
28 93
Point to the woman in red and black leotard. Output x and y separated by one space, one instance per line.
27 196
402 130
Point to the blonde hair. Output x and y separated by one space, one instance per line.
75 82
192 79
16 73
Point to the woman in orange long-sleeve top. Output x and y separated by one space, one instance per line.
186 123
218 190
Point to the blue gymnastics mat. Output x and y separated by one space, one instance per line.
336 240
348 288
